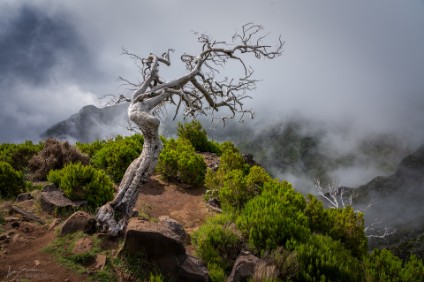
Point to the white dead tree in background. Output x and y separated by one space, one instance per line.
199 91
338 197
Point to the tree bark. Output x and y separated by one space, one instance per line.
113 216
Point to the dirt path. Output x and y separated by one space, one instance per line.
22 257
21 253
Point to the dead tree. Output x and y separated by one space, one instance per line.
199 91
338 197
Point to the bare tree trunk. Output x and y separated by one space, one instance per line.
113 216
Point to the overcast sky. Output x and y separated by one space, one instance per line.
360 62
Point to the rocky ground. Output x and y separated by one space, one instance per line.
23 238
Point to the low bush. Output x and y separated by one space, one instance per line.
116 155
11 181
274 217
54 155
83 182
218 243
383 265
179 161
18 155
196 134
324 259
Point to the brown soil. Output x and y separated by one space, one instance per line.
21 253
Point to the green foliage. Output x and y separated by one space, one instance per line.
218 243
274 217
11 181
62 249
91 148
237 189
179 161
54 155
383 265
196 134
18 155
137 267
230 160
83 182
324 259
116 155
344 224
216 273
348 227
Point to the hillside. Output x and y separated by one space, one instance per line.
23 242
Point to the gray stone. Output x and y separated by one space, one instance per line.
49 187
243 268
153 239
192 269
55 202
24 197
174 226
79 221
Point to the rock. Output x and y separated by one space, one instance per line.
100 261
154 239
157 241
24 197
49 188
54 223
83 245
192 269
79 221
243 268
174 226
55 202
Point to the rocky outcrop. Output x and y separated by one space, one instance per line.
162 246
79 221
53 201
243 268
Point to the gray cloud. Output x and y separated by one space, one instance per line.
357 64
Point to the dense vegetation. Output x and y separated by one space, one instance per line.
83 183
292 233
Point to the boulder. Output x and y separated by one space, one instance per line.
192 269
24 197
55 202
174 226
243 268
153 239
162 244
79 221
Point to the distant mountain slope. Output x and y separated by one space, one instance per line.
91 123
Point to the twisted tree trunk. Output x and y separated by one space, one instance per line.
113 216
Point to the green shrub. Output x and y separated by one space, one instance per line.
230 160
179 161
196 134
274 217
344 224
324 259
348 227
83 182
237 189
18 155
383 265
91 148
217 242
116 155
11 181
54 155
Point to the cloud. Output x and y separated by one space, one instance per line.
357 63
